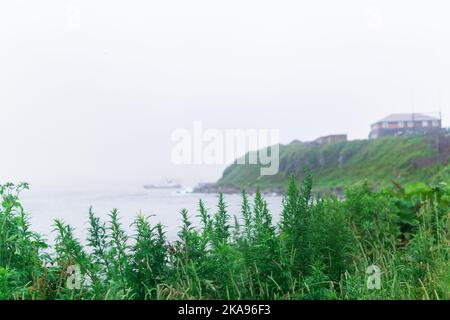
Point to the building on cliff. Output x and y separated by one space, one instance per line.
405 123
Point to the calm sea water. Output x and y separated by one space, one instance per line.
163 206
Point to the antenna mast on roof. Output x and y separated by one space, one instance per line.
412 114
439 106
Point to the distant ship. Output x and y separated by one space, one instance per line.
169 184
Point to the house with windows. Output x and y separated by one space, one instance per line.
405 123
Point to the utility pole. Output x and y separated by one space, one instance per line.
439 106
412 114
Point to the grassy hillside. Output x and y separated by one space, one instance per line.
348 163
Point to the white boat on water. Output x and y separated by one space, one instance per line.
169 184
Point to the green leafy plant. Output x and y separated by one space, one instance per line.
320 249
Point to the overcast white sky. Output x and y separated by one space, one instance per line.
94 97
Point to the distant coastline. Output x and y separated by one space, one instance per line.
215 188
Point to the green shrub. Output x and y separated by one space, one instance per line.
320 249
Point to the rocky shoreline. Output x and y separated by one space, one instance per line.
214 188
274 191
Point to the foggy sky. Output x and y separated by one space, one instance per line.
94 97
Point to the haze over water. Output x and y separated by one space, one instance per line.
164 206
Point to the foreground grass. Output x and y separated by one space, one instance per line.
320 250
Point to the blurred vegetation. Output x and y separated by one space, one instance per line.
320 249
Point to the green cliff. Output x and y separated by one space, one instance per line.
400 159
